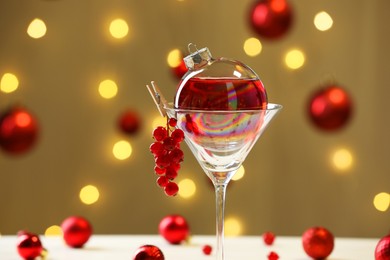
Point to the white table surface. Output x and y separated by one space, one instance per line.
116 247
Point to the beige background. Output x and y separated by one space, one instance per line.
290 184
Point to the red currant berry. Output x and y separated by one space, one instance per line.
160 133
162 181
273 256
171 189
176 155
171 173
268 238
159 171
191 126
162 161
172 122
175 166
157 149
207 249
178 135
29 245
188 123
169 143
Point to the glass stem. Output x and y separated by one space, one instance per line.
220 191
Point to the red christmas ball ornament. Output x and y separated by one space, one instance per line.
180 70
330 108
18 130
271 19
29 245
76 231
129 122
177 64
174 228
148 252
318 242
382 249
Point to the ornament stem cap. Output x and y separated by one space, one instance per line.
198 58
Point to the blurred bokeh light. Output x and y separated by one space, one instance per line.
89 194
323 21
9 83
119 28
37 28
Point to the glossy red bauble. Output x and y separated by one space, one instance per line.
174 228
29 245
148 252
18 130
76 231
129 122
382 249
271 19
318 242
180 70
330 108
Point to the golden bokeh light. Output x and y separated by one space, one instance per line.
294 59
122 150
239 174
119 28
187 188
89 194
382 201
36 29
174 58
233 227
108 89
158 121
9 83
252 47
342 159
53 231
323 21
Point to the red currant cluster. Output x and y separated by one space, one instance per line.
167 155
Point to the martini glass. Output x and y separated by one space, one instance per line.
220 141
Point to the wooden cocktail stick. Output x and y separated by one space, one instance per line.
158 98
